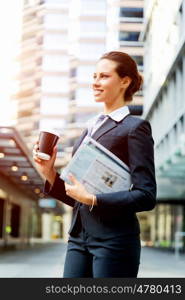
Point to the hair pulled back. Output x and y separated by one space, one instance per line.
126 66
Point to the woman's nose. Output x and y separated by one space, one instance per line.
96 81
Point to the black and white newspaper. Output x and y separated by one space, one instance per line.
98 169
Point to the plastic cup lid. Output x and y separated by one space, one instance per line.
42 155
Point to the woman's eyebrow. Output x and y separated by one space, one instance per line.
102 73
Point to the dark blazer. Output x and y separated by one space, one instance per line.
115 213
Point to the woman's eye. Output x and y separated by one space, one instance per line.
101 76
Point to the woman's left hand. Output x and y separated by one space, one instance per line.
77 191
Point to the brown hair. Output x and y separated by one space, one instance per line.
126 66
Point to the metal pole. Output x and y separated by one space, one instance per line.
178 234
176 245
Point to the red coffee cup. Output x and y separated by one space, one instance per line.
47 141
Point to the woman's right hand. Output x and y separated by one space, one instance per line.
45 167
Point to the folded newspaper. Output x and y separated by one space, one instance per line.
98 169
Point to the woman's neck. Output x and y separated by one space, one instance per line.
110 108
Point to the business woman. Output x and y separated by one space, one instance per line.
104 238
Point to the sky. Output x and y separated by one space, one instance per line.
10 21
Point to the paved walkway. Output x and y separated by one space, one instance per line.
158 263
41 260
47 260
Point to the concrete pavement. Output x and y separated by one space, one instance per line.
47 260
40 260
161 264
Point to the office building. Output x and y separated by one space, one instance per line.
42 99
164 107
124 25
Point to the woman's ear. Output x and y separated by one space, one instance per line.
126 81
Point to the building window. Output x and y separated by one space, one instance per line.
55 84
85 73
30 2
138 59
90 50
29 17
26 75
55 41
39 40
88 28
72 72
39 61
56 20
38 82
28 35
55 62
131 12
54 106
35 126
72 95
129 35
24 113
92 7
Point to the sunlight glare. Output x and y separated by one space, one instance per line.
10 25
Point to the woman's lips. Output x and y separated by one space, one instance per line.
97 92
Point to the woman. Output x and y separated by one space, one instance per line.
104 235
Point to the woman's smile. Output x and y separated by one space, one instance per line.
97 92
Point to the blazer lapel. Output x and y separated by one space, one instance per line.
105 127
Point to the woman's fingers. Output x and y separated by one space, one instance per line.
34 152
35 149
37 160
73 179
54 154
43 165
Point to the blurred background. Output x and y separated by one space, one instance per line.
48 53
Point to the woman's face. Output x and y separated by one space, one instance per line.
107 85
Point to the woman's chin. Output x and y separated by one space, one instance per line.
98 99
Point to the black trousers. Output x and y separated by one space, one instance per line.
88 256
